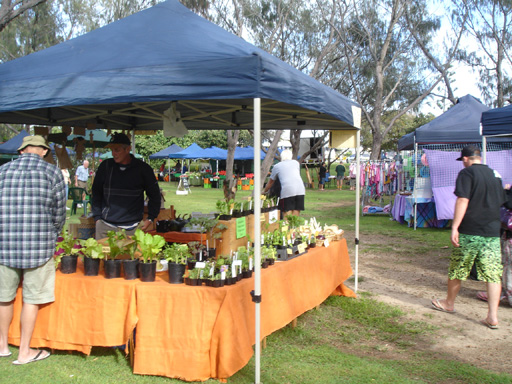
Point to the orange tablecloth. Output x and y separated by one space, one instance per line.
192 333
88 311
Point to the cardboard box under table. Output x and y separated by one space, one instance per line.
191 333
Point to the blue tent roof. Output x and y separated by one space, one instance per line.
164 153
193 151
459 124
215 153
246 153
11 146
131 70
497 121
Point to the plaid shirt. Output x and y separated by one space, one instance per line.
32 211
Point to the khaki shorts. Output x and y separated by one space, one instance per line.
38 283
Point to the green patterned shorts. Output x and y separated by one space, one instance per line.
485 252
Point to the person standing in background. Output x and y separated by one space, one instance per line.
67 181
287 171
322 172
82 175
32 214
340 175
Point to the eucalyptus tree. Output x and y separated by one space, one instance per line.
490 26
378 60
11 9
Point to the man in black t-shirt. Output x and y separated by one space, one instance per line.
475 233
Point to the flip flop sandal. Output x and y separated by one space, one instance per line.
488 325
39 356
438 307
5 354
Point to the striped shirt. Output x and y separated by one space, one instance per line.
32 211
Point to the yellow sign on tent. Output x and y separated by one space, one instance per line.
343 139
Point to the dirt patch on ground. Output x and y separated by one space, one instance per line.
395 275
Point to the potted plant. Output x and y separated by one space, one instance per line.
238 209
67 249
197 251
176 255
269 254
92 252
213 228
149 246
115 241
225 209
122 250
194 277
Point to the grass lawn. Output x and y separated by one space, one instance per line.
332 344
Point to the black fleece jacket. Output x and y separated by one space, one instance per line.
118 192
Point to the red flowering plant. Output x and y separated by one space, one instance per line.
66 245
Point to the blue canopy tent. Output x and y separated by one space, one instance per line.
166 64
164 153
459 124
193 151
10 147
497 122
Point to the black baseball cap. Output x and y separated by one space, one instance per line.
469 151
118 138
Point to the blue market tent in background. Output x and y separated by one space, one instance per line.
497 122
215 153
246 153
164 153
193 151
11 146
459 124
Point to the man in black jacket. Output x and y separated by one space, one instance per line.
118 191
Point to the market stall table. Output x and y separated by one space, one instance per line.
191 333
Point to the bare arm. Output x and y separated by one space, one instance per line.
461 205
268 186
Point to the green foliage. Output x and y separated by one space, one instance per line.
149 245
194 273
120 244
176 253
91 248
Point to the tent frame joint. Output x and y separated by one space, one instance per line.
256 298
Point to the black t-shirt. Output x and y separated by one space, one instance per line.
479 184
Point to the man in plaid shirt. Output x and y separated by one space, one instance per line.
32 214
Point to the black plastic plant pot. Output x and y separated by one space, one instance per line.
130 267
176 272
246 274
68 264
91 266
147 271
224 217
112 269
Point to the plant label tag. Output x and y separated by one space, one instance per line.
250 263
211 271
238 263
200 264
223 275
289 251
302 247
233 270
326 243
105 249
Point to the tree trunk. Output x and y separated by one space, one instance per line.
230 182
269 157
295 141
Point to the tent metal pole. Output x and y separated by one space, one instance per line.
415 183
358 190
484 149
257 235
